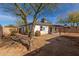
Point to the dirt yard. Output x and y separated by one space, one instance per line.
46 45
11 48
64 45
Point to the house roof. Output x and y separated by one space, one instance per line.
43 22
40 23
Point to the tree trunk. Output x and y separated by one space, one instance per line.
27 27
23 16
77 26
33 25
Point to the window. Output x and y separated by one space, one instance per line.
42 28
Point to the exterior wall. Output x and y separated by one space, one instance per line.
37 28
53 29
7 30
43 32
22 29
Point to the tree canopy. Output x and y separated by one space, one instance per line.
73 18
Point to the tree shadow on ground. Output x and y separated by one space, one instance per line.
58 46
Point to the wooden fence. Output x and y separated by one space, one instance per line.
1 31
67 29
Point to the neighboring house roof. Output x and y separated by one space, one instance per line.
63 26
58 25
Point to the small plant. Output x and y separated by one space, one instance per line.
37 33
13 32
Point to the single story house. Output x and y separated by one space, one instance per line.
43 26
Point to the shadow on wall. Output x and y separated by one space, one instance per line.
58 46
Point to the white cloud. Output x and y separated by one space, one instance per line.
7 17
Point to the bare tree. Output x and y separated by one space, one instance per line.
23 15
37 11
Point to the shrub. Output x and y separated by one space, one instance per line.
37 33
13 32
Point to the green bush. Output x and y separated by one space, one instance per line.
37 33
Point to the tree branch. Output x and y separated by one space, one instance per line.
33 7
21 10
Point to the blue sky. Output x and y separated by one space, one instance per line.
7 18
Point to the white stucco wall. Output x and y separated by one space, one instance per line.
37 28
43 32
